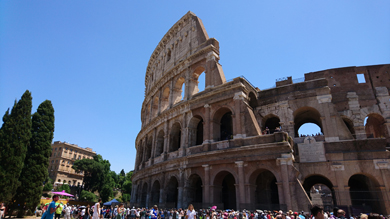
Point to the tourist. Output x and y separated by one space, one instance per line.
2 210
341 214
51 209
68 210
191 214
96 211
119 211
317 212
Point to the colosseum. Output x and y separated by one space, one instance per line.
237 147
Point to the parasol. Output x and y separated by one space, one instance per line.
214 207
63 193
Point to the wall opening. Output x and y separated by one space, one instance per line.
198 82
165 99
305 115
160 144
223 124
225 191
361 78
375 126
325 189
264 190
144 193
349 124
175 137
169 54
195 131
179 90
195 192
155 106
252 100
172 193
271 123
365 195
155 195
148 154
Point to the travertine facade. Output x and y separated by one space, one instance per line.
61 161
209 147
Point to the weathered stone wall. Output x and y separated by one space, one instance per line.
221 146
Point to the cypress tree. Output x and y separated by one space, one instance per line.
15 135
36 164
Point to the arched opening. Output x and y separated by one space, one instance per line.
140 153
375 126
155 195
155 106
160 143
365 194
306 115
223 124
252 100
148 148
175 137
309 129
349 124
195 129
198 81
325 195
265 190
144 193
179 90
226 130
172 193
165 99
225 190
195 193
271 123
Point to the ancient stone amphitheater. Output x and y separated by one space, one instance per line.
238 147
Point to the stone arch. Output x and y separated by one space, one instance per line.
306 115
165 99
140 152
272 122
177 90
195 131
155 106
148 148
159 143
375 126
264 190
194 85
365 193
223 124
253 100
155 193
172 192
144 194
225 189
349 123
316 179
195 189
175 137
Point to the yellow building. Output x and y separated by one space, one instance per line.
62 159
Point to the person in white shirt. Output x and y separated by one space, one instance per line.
96 210
67 212
191 214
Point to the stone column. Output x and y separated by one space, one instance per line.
284 163
206 185
280 192
386 202
154 143
238 129
171 95
241 184
206 124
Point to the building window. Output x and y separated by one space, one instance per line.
66 149
74 156
60 148
52 161
56 149
68 162
79 157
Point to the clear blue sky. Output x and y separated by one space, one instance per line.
89 57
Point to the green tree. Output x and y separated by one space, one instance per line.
15 135
36 163
48 184
114 176
63 187
87 196
126 197
97 175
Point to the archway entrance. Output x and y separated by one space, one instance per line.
226 126
195 129
365 195
271 122
225 190
175 139
172 193
195 192
155 196
307 115
375 127
320 190
144 193
264 189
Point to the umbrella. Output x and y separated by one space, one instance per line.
214 207
63 193
82 207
